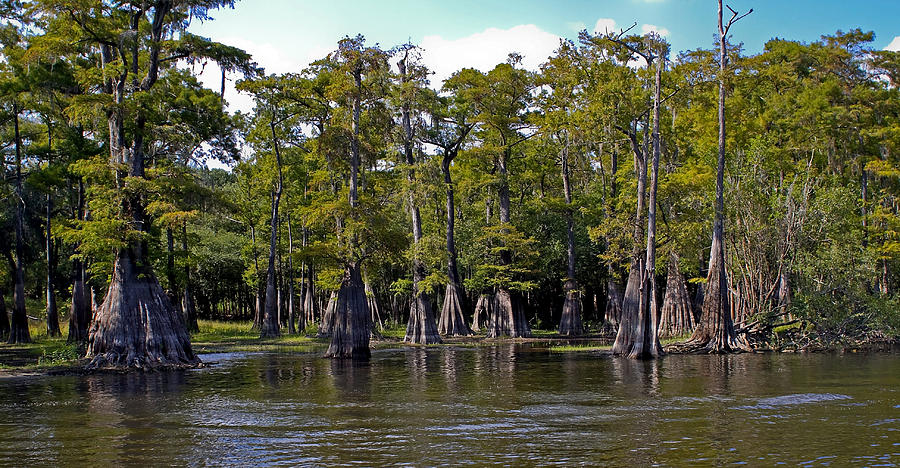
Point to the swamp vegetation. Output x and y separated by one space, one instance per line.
623 193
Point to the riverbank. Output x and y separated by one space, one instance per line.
52 355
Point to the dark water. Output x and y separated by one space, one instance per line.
516 405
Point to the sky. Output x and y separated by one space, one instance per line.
285 35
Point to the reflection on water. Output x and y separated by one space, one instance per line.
504 404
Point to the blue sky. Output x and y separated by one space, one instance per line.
284 35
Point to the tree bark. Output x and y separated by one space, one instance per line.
350 336
187 302
570 319
508 315
715 331
19 332
291 314
637 335
677 317
452 321
80 312
421 328
136 326
270 326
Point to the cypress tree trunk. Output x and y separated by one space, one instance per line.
80 312
187 301
484 310
677 317
420 329
270 323
715 331
570 319
52 314
291 328
350 336
508 315
630 338
19 332
327 325
136 326
452 321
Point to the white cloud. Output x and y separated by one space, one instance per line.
647 28
894 45
576 26
272 58
605 25
486 49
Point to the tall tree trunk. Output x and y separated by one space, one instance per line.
614 294
80 312
570 319
715 331
19 332
637 336
291 314
270 323
452 321
187 301
52 313
136 326
508 317
421 328
350 336
259 294
308 297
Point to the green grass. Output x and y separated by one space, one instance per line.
218 336
579 348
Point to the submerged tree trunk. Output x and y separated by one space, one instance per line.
421 328
570 319
677 317
270 323
715 331
452 321
351 331
638 335
136 326
350 336
508 315
19 332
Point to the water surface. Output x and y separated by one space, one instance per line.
506 404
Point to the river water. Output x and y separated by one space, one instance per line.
506 404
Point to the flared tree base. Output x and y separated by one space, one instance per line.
421 328
452 322
351 330
137 327
637 338
570 321
508 318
